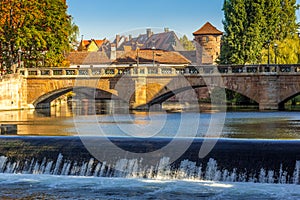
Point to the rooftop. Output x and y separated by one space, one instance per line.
146 56
127 57
208 29
87 58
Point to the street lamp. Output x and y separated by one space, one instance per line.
268 43
275 52
19 57
43 54
298 53
153 52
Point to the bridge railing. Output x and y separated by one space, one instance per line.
161 71
263 69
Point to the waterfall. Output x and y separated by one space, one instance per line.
296 173
132 168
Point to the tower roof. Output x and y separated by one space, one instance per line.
208 29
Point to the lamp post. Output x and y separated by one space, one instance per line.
19 57
43 54
275 52
138 57
298 53
153 52
268 43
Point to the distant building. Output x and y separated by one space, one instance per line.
88 59
152 57
208 44
91 45
166 40
207 41
148 57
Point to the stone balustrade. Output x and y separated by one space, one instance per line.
161 71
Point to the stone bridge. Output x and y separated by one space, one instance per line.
269 85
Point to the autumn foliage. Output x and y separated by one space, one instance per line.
34 32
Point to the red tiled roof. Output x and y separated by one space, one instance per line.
146 56
86 43
87 58
99 42
130 57
208 29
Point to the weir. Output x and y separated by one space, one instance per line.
265 161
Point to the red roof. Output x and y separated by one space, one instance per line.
146 56
86 42
208 29
99 43
87 58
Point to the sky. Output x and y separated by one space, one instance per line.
99 19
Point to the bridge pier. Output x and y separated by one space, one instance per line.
140 94
269 88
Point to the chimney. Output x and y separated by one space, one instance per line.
117 40
113 52
130 37
167 30
149 32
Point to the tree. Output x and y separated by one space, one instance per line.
36 32
234 26
286 52
187 44
249 24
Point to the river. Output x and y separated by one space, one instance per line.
251 125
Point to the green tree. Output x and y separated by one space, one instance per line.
249 24
286 52
38 32
187 44
234 27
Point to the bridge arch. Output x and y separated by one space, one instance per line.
287 98
243 93
245 90
91 93
165 96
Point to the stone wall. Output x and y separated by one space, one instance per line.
208 48
12 93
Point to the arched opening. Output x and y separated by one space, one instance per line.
206 98
78 101
238 101
291 103
190 98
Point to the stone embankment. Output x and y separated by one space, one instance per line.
12 95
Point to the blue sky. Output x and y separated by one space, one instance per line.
106 18
100 19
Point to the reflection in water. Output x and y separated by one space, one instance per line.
115 119
98 107
269 125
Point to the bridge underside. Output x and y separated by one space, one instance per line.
80 93
160 96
